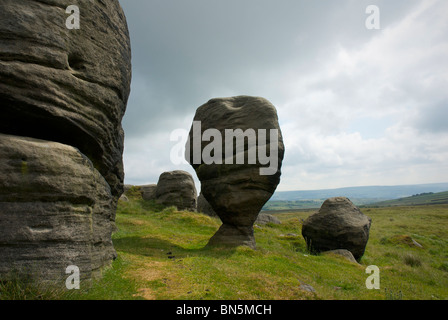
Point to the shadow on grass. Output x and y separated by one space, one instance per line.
158 248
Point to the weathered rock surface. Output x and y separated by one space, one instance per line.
148 191
265 218
342 253
206 208
177 188
237 192
68 87
339 224
56 210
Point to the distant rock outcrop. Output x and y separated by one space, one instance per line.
177 188
344 253
237 191
67 91
339 224
148 191
127 187
265 218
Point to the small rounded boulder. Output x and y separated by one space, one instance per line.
338 224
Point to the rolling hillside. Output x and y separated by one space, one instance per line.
416 200
360 196
368 192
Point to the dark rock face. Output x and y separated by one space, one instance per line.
205 207
176 188
339 224
62 87
237 190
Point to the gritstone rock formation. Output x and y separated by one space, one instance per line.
265 218
236 190
205 207
55 210
176 188
148 191
63 94
339 224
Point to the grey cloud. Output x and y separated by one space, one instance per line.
188 51
432 118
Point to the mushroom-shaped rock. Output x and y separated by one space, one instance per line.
338 224
177 188
235 146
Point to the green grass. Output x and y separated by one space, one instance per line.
162 254
168 258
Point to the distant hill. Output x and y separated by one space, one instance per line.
415 200
377 193
371 195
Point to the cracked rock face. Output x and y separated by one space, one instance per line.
63 94
237 190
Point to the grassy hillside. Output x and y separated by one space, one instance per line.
162 255
417 200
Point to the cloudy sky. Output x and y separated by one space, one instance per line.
356 106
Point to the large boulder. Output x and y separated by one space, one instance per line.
63 85
338 224
177 188
56 210
66 86
236 189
